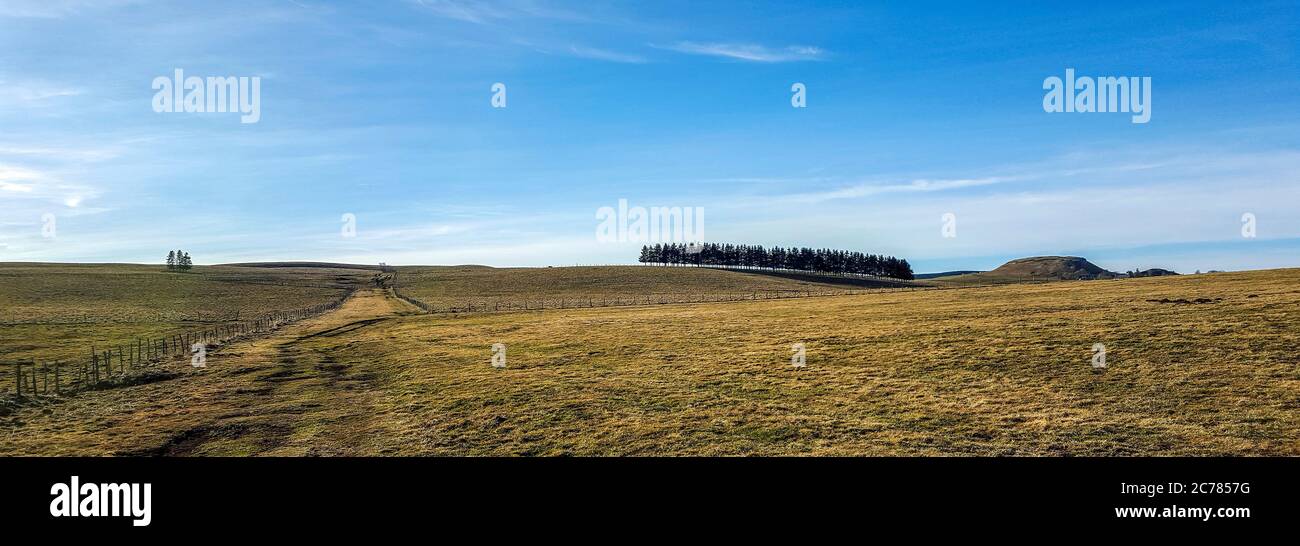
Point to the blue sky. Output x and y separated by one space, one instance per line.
914 110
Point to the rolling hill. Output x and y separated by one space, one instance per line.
995 370
1034 269
443 285
52 311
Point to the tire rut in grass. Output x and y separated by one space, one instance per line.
346 328
303 385
254 436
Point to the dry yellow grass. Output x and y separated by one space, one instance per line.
982 371
593 285
236 405
56 311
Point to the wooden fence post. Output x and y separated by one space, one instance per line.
18 378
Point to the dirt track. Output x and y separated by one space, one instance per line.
283 394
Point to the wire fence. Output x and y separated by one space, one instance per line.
760 269
118 363
488 305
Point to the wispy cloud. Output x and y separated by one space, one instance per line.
482 12
604 55
86 154
916 185
1054 206
55 9
750 52
16 188
28 93
1067 169
10 174
19 184
470 12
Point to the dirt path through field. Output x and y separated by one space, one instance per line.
284 394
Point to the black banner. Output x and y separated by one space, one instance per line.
1090 495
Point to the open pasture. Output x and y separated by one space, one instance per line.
1195 365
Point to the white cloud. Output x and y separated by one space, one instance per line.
55 9
750 52
916 185
25 95
604 55
482 12
82 154
470 12
20 186
1071 204
9 173
412 234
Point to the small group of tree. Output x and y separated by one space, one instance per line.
179 261
1153 272
822 260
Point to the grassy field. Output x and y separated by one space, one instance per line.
1197 365
56 311
450 286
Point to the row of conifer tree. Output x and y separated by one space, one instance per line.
822 260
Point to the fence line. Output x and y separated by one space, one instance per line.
488 306
99 368
60 377
756 268
135 318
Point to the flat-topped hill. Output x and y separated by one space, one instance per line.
1052 267
1037 268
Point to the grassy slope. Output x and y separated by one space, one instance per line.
991 371
840 281
986 278
443 285
55 311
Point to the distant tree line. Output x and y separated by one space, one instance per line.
822 260
1153 272
178 260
